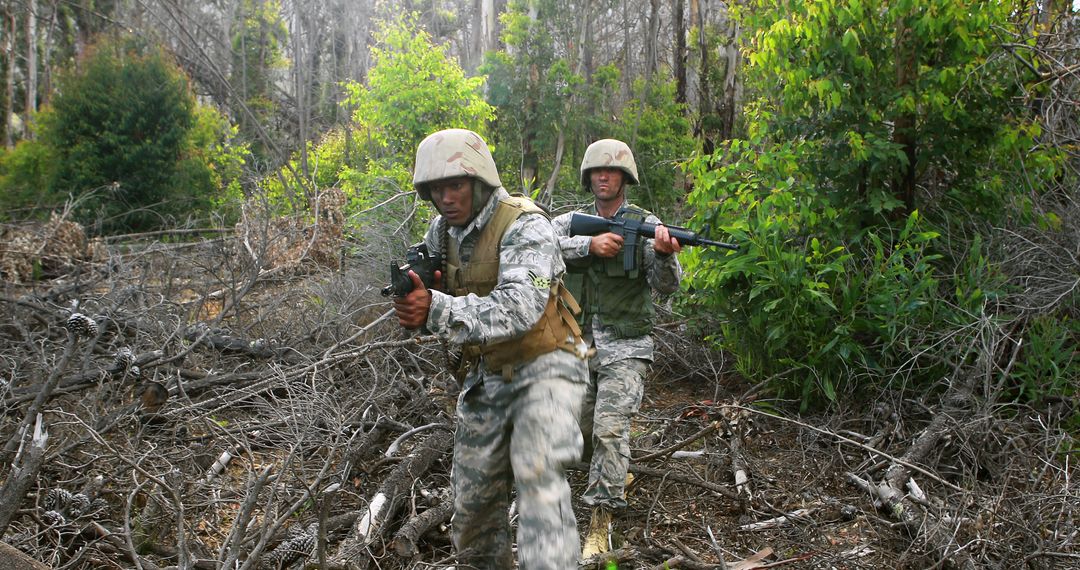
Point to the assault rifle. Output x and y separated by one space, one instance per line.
417 259
631 229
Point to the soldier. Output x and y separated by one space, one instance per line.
523 361
616 319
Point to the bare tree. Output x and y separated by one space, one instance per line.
651 39
31 62
679 32
728 106
9 76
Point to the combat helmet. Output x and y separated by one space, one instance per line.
609 153
451 153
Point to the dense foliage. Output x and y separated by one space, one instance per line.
847 277
412 90
126 142
549 111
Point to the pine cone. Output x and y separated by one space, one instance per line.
80 505
56 499
81 325
289 551
303 545
53 518
97 506
124 359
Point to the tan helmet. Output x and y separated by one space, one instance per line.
609 153
452 153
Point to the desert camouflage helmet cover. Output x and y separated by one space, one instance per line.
609 153
452 153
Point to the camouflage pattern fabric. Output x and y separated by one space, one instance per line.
614 396
522 433
617 373
529 266
662 273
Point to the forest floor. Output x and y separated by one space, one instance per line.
298 419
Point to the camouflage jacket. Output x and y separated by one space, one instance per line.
662 274
529 265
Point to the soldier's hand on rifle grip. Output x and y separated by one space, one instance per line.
663 243
606 244
412 309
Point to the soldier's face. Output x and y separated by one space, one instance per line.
453 198
607 184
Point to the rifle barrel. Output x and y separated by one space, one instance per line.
692 238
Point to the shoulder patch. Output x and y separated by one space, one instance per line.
538 281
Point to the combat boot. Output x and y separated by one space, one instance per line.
596 541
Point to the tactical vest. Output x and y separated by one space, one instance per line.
622 299
556 329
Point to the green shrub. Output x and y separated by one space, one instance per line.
413 89
125 141
1047 364
801 297
25 171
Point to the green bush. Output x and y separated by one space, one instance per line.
117 124
25 171
844 282
413 89
126 142
801 301
1047 364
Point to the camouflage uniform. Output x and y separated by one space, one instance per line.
617 373
618 368
519 432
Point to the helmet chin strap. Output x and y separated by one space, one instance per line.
480 194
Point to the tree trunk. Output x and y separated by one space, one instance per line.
31 63
904 123
530 161
651 40
679 26
24 470
9 53
488 31
729 100
697 20
474 47
544 199
627 67
300 84
45 90
585 41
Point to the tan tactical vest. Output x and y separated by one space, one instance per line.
481 275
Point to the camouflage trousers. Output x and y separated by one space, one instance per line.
614 396
522 434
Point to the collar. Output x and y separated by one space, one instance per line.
596 211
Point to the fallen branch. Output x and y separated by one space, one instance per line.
408 536
670 476
385 503
777 521
679 445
